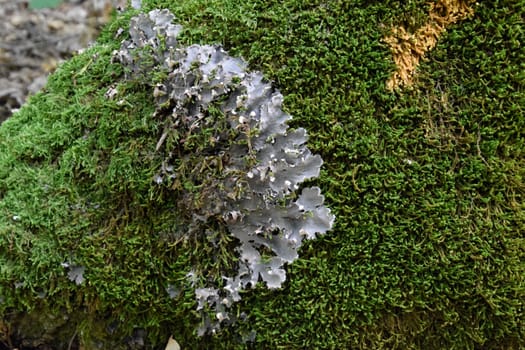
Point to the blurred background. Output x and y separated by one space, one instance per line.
36 35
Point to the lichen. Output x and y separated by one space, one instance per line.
229 157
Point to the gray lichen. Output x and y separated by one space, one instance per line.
230 157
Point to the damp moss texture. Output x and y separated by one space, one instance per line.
426 183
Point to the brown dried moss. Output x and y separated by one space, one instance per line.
409 48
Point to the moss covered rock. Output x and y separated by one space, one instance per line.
426 184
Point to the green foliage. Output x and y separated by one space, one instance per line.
426 184
41 4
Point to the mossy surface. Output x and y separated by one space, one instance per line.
426 184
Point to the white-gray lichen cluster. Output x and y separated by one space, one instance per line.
251 165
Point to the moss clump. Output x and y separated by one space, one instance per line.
427 186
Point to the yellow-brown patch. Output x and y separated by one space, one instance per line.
409 48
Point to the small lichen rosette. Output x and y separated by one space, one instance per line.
235 164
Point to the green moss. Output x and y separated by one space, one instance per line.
427 185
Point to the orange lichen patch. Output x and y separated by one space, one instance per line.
409 48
